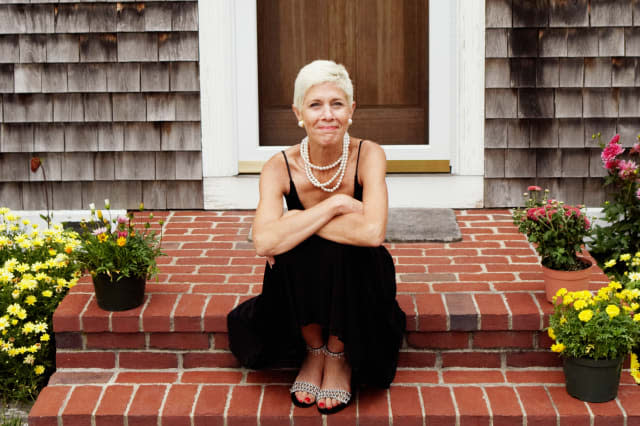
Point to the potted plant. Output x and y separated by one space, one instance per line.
120 258
557 230
593 334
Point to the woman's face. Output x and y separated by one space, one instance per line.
325 112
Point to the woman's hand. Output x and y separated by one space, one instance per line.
347 204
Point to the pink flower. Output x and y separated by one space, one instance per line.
638 194
611 165
614 139
122 219
99 231
635 149
627 169
122 234
611 151
534 188
534 213
587 224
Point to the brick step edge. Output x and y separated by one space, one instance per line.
201 404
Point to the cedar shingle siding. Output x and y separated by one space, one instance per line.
107 94
557 71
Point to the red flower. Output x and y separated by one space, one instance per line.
35 163
611 164
614 139
534 188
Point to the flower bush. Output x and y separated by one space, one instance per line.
35 274
114 246
623 212
601 326
558 230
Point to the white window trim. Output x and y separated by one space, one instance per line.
229 105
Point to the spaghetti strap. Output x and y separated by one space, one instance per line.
287 163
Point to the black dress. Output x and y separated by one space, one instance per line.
349 290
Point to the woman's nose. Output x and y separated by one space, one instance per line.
327 114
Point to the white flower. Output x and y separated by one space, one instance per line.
92 206
107 204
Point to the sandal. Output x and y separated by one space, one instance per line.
340 395
309 388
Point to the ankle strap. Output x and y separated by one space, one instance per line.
333 354
316 351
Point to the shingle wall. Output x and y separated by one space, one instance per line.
107 94
557 71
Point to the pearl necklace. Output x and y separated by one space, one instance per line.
342 161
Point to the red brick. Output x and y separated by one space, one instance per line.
209 359
462 312
406 251
537 406
67 315
406 303
432 315
531 276
115 341
473 376
535 376
215 316
146 377
413 288
629 397
179 340
420 260
480 260
499 237
471 231
467 217
454 268
47 406
77 377
128 321
451 252
438 405
188 313
212 377
85 359
68 340
502 339
471 405
183 237
457 286
411 269
518 286
148 360
533 359
416 376
221 341
525 259
207 245
81 405
505 407
197 278
276 405
177 269
177 407
475 244
225 269
606 413
425 278
221 288
247 261
489 276
245 279
526 315
113 405
373 407
157 315
570 410
154 287
508 252
493 312
95 319
416 359
230 253
243 408
512 268
405 406
435 340
471 359
210 406
146 404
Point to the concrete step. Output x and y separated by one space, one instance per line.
243 397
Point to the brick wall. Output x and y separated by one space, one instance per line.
557 71
107 94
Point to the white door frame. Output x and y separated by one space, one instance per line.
229 107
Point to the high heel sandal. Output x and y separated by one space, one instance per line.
309 388
340 395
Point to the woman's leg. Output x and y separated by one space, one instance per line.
311 369
337 372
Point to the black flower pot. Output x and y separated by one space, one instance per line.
113 295
592 380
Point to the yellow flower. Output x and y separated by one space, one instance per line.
636 317
45 337
29 359
47 293
625 257
99 214
563 320
567 300
579 305
586 315
102 237
52 252
561 292
15 294
610 263
39 369
28 328
30 300
551 333
121 241
615 285
558 347
68 249
612 311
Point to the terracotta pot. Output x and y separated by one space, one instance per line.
554 280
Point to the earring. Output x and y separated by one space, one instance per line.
301 124
350 121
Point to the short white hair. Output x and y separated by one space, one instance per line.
321 71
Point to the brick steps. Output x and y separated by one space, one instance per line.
475 349
237 396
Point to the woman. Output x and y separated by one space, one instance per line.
329 286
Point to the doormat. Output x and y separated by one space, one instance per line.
421 225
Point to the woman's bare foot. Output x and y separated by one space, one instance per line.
337 376
310 372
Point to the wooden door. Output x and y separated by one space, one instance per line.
382 43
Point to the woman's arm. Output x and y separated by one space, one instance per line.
367 227
275 233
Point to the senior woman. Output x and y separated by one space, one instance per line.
328 295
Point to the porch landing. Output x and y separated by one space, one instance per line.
475 351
